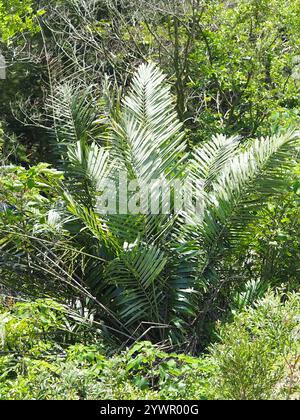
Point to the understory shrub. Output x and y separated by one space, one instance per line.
256 357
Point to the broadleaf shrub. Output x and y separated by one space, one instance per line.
258 354
256 357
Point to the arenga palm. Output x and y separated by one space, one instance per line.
156 276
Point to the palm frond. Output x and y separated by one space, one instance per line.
158 268
149 137
209 160
74 113
137 275
249 180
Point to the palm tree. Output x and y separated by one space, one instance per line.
155 276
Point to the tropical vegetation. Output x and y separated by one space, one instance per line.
197 301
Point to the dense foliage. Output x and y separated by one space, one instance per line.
46 354
148 96
17 16
145 274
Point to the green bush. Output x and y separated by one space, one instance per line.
256 358
258 354
143 372
17 16
39 361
